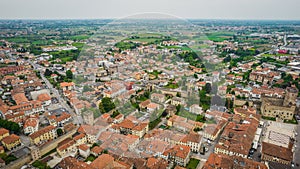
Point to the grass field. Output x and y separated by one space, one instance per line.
219 36
193 164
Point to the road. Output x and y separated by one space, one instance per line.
76 117
297 148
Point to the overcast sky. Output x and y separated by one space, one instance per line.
194 9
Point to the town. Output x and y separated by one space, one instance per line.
157 94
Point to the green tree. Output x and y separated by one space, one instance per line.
106 105
69 74
208 87
60 132
48 72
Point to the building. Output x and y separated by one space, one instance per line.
179 154
31 125
10 142
80 139
212 131
193 140
96 151
224 161
159 98
196 109
88 117
283 109
129 127
177 101
3 133
67 86
278 154
67 147
84 150
43 135
45 99
238 136
35 153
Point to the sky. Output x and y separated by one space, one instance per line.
190 9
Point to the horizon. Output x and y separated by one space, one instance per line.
193 9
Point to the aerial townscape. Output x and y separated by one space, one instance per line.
149 93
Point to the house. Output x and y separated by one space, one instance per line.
238 136
193 140
129 127
3 133
66 147
179 154
196 109
159 98
212 131
72 163
80 139
45 99
278 154
96 151
67 86
144 104
43 135
31 125
10 142
224 161
84 150
177 101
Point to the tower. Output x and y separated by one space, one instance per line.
290 97
88 117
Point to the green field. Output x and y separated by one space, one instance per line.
193 164
219 36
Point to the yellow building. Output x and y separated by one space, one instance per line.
3 133
43 135
11 141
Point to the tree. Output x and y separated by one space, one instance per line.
69 74
208 87
60 132
48 72
195 76
106 105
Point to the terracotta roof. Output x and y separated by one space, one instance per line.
31 122
97 150
10 139
43 97
180 151
3 131
41 132
73 163
277 151
126 124
65 84
79 136
103 161
83 147
66 144
223 161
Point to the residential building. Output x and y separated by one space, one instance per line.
278 154
10 142
179 154
224 161
31 125
43 135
